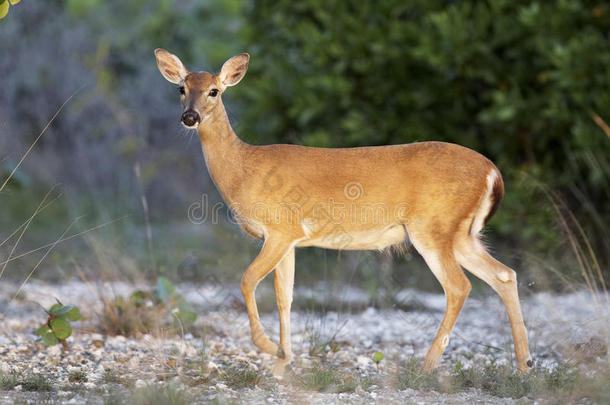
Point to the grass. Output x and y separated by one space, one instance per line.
242 376
8 381
150 394
564 383
326 379
321 338
30 382
160 394
112 377
77 376
123 316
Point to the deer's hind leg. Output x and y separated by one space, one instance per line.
472 255
440 259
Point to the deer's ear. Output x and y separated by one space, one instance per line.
170 66
234 70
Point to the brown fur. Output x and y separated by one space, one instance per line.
374 197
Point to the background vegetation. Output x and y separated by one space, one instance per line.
526 83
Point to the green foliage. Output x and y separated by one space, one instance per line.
166 294
518 81
377 357
57 328
4 7
194 30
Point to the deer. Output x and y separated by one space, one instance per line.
435 196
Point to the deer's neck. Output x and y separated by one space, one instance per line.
224 154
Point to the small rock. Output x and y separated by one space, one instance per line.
595 347
97 343
54 351
363 361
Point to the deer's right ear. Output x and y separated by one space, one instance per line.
170 66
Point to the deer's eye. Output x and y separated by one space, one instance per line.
181 90
213 92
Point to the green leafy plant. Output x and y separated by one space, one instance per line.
377 357
166 293
4 6
57 328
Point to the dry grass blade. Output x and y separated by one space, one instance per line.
38 211
62 240
600 123
24 228
49 250
25 155
588 263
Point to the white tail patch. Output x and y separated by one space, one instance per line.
486 204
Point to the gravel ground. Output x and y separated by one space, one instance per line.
482 334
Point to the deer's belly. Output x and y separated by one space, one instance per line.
370 239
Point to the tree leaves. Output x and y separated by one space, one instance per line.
514 80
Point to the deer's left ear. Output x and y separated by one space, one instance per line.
234 70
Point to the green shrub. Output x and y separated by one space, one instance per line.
520 81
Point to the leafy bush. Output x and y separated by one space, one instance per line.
522 82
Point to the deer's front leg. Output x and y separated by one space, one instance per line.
283 283
274 249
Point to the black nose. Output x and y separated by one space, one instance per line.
190 118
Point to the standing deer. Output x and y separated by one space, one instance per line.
437 196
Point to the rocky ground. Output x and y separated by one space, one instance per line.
217 360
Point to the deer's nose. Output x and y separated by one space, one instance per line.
190 118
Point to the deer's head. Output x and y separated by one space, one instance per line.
200 91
